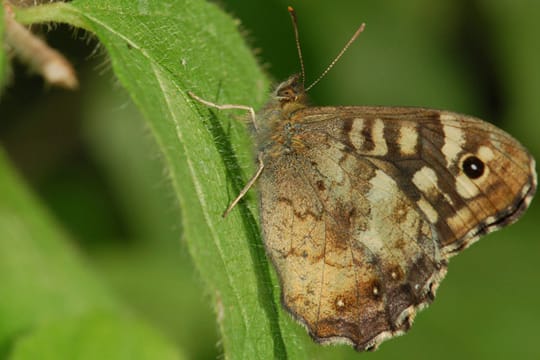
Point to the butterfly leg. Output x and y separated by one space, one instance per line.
227 106
246 187
261 163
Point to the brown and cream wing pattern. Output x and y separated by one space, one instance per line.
467 176
361 217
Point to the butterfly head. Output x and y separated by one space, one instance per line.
291 93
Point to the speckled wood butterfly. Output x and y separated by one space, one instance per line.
362 207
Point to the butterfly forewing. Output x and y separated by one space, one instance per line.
466 176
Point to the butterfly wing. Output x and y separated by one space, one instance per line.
363 209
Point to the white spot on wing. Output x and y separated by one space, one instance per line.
378 138
485 154
454 140
408 138
425 180
356 133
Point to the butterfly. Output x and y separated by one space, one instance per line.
363 206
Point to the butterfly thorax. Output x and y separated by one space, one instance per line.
278 128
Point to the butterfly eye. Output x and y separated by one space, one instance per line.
473 167
287 93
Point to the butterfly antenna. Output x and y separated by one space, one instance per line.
336 59
297 38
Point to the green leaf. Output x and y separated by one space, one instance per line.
48 294
96 335
159 51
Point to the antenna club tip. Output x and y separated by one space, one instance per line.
290 9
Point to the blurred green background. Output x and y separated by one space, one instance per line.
92 163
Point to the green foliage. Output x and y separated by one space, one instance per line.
51 304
